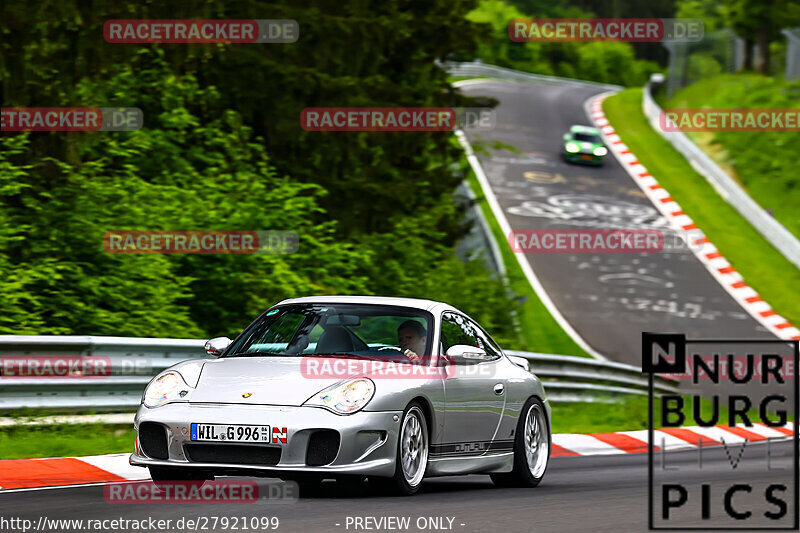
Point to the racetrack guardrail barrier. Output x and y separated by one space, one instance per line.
134 362
477 69
772 230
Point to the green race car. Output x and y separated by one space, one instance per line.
583 144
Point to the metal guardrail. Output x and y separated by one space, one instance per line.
134 361
477 69
568 378
771 229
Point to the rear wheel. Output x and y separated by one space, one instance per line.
531 448
412 453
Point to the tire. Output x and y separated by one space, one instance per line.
530 437
166 476
412 444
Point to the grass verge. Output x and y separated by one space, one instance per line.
68 440
762 162
630 413
589 417
763 267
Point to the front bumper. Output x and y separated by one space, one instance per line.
367 445
585 158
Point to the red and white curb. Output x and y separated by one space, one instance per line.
22 474
59 471
704 250
668 439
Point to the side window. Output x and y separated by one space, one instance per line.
486 343
457 330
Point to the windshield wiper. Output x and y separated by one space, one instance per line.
257 352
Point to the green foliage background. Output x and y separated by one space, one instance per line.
764 163
222 148
605 62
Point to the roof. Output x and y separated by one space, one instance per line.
416 303
577 128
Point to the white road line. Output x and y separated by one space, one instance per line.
117 464
585 444
664 441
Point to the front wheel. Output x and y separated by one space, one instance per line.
531 448
412 453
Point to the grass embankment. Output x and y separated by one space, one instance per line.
631 414
763 267
539 330
67 440
764 163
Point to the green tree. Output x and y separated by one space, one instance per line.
760 22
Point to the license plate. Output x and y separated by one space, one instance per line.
229 433
586 156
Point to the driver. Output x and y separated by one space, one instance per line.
411 338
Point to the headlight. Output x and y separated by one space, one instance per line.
345 398
166 388
600 151
572 148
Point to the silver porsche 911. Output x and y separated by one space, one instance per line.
389 390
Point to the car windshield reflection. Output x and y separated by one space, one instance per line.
341 329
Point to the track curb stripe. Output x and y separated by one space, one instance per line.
65 471
671 438
726 274
26 473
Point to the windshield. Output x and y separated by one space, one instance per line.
586 137
333 329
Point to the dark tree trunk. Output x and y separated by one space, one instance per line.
762 60
747 63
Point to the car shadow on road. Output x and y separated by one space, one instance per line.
350 489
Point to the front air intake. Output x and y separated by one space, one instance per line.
237 454
153 440
323 447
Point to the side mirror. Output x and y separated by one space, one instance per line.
462 354
520 362
217 345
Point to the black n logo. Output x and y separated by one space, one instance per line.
663 353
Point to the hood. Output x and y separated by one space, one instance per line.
268 380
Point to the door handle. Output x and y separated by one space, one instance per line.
499 388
